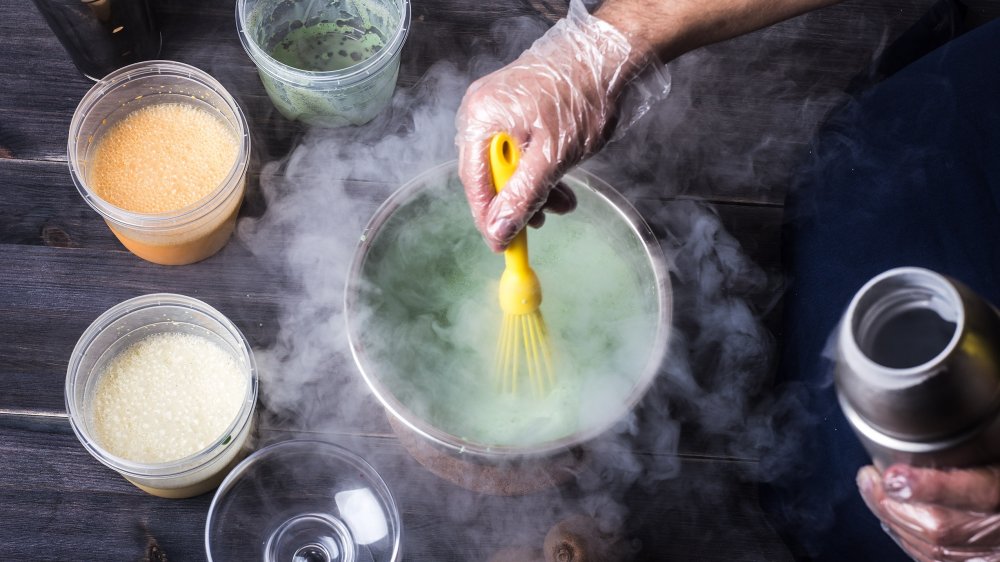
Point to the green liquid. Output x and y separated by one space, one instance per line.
332 39
325 47
433 319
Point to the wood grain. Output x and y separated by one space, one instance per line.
63 268
62 504
738 120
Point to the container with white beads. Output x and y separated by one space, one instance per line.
162 388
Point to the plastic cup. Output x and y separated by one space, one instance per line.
181 236
331 63
127 323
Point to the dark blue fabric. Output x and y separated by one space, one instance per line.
906 174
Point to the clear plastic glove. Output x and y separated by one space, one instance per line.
560 101
937 515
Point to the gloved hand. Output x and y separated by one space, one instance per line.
559 100
937 515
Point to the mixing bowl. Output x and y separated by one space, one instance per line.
423 318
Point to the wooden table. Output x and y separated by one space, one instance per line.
739 118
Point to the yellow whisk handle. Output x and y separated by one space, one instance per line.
520 290
504 158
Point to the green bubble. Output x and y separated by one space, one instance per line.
309 48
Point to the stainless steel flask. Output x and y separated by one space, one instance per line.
918 370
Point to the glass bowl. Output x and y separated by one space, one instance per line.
423 317
303 501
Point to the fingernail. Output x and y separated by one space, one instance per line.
897 484
503 230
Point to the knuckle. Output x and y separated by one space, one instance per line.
939 535
993 492
480 93
936 552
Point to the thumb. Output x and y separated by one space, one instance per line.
973 489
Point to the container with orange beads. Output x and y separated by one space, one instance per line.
160 149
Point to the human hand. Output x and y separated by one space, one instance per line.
937 515
559 101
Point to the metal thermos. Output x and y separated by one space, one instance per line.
918 370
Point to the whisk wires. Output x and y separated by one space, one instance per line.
528 333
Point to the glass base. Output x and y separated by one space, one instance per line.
303 501
312 537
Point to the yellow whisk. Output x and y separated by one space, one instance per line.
523 342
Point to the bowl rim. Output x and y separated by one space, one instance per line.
580 179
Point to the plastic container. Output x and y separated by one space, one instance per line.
184 235
303 500
127 323
329 63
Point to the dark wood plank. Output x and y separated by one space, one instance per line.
736 121
203 35
42 207
43 89
741 113
50 295
739 117
54 285
64 505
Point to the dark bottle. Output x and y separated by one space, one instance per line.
103 35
